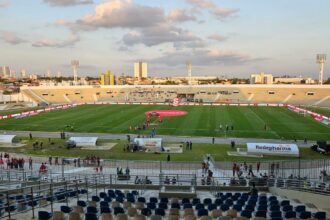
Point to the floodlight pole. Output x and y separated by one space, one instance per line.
189 69
75 65
320 59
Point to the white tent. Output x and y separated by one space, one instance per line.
84 141
6 138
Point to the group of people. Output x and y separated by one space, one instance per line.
167 180
226 127
120 171
238 169
92 160
12 162
188 145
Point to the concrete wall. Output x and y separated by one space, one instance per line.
320 201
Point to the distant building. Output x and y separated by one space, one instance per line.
5 71
293 80
261 78
23 73
140 70
107 79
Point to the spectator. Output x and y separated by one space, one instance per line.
253 190
168 158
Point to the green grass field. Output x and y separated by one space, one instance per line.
218 151
200 121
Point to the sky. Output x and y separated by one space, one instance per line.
232 38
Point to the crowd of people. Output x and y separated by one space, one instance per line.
11 162
239 169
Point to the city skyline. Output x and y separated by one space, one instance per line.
218 37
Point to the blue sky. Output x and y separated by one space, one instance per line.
219 37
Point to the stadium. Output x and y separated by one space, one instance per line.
166 152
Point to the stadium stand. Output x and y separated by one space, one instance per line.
275 94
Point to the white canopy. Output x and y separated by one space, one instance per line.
273 149
84 141
6 138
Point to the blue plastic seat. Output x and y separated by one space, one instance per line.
273 202
187 205
92 209
32 203
164 200
153 200
83 191
81 203
199 206
135 192
185 200
275 214
274 208
237 207
118 191
91 216
290 214
246 213
196 201
175 205
66 209
105 209
44 215
262 208
120 199
229 202
160 212
108 199
131 199
261 213
102 194
249 207
241 201
151 205
141 199
287 208
300 208
285 202
272 198
104 204
210 207
319 215
224 207
111 194
118 210
218 201
202 212
305 215
146 212
162 205
207 201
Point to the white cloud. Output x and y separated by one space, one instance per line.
179 15
159 34
118 14
148 25
64 3
11 38
203 57
202 3
224 13
220 13
56 43
217 37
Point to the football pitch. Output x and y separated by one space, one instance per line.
245 122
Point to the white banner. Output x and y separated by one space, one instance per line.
273 149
